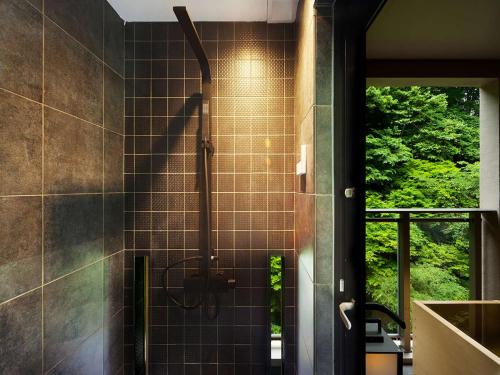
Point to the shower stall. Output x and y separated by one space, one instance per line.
152 221
211 174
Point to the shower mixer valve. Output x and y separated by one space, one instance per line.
217 283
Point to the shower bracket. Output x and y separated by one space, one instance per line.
207 144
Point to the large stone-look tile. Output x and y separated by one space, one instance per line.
113 162
305 231
323 319
86 360
113 101
113 223
73 233
305 320
113 285
20 245
323 266
72 312
81 19
21 148
114 49
21 49
36 3
305 64
113 355
21 335
323 60
323 150
73 77
73 154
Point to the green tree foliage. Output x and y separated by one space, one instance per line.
422 151
276 281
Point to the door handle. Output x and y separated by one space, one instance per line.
343 307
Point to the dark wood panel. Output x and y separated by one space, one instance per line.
433 68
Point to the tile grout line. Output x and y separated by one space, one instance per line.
123 201
234 197
135 166
44 106
103 159
54 194
211 125
134 251
184 179
284 148
43 189
45 284
268 162
81 45
217 175
150 318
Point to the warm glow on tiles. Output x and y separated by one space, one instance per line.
243 68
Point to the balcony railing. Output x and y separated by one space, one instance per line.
404 217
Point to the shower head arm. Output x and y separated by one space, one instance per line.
194 40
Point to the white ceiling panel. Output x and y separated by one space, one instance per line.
207 10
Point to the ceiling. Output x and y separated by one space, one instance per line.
436 29
272 11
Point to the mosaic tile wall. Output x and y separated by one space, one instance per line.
253 187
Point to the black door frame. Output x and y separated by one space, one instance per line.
351 19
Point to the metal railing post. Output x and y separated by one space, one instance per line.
475 256
404 278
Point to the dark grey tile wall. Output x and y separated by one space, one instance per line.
73 233
253 196
21 46
21 244
70 161
21 124
61 187
314 198
83 20
72 313
73 76
20 322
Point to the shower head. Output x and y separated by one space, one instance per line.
194 40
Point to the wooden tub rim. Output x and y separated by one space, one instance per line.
460 333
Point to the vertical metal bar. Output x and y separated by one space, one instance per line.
404 278
141 315
205 230
475 256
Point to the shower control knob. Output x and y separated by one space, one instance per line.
231 283
214 258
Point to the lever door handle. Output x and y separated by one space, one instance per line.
343 307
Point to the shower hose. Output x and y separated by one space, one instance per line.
211 310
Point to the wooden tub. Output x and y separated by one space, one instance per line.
456 338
